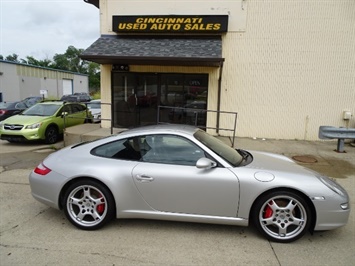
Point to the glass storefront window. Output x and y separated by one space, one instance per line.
136 97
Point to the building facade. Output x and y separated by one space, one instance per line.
18 81
285 67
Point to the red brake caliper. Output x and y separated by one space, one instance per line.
100 208
268 211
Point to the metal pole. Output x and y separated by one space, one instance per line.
219 96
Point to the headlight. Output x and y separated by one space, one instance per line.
34 126
332 185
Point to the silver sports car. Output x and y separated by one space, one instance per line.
181 173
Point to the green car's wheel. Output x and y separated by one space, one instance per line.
51 135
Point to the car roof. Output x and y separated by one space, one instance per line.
53 102
58 103
160 129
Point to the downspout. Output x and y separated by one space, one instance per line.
219 96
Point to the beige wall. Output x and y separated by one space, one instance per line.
289 64
292 70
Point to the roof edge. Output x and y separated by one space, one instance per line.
163 61
93 2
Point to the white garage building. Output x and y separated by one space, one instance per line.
18 81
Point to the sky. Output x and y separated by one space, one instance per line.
43 28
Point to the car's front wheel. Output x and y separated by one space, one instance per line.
282 216
51 135
88 205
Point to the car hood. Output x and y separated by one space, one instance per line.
24 119
271 162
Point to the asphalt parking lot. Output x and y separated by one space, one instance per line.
34 234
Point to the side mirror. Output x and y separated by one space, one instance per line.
64 114
205 163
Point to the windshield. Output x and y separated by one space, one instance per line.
220 148
42 110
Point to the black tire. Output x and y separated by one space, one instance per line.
88 205
281 216
51 135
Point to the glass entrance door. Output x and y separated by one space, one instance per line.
146 99
136 97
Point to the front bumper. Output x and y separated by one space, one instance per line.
21 135
331 213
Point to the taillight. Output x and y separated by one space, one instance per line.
41 169
2 112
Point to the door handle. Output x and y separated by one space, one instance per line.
144 178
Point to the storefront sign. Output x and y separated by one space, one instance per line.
170 24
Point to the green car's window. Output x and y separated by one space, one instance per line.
66 109
78 108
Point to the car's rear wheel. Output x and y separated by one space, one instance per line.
282 216
88 205
51 135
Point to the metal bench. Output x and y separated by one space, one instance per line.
340 133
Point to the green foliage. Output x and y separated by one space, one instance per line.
69 61
96 95
32 61
12 58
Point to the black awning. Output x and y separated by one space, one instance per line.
147 50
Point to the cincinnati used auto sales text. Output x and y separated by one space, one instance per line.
170 24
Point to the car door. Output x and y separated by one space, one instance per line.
77 114
68 117
169 181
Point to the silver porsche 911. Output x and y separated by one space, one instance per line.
181 173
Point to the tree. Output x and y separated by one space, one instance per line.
94 76
12 58
32 61
70 60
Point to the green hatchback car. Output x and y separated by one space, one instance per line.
44 121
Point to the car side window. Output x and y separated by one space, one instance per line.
170 149
125 149
77 108
65 108
165 149
20 105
